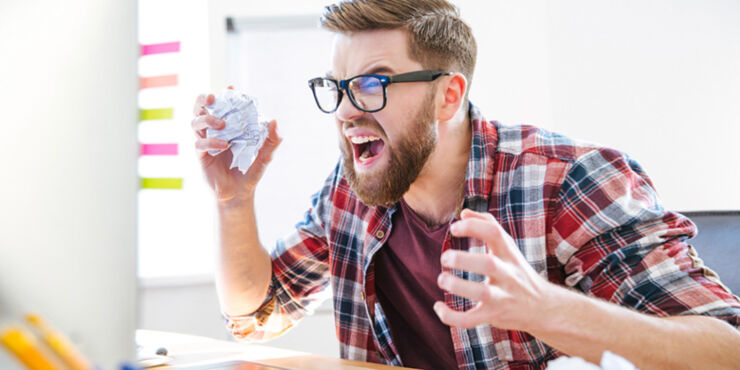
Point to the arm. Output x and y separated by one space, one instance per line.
261 294
622 253
585 327
517 298
244 267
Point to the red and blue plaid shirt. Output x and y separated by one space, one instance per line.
583 216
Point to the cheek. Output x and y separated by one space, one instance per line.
391 125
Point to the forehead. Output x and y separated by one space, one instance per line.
361 52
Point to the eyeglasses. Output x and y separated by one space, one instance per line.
366 92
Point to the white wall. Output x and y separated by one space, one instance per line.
658 79
68 162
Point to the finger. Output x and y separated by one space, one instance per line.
466 320
203 122
207 144
201 101
264 156
479 263
475 291
468 213
496 239
271 143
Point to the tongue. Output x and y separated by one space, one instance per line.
376 146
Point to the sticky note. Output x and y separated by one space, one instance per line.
157 81
165 47
161 183
160 113
158 149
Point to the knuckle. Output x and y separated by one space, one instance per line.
489 263
494 231
200 99
486 295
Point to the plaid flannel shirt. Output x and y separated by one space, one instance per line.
583 216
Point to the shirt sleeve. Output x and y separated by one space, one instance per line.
300 275
617 243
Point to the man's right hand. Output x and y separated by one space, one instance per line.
228 185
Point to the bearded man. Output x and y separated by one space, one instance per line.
449 241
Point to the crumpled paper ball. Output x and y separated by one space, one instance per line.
245 130
609 361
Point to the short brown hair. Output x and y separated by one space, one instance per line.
438 37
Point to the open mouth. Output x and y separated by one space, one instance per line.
366 148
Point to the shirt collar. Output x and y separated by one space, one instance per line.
479 176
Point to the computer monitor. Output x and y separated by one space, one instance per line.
69 177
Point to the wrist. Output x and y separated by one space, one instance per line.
235 202
558 307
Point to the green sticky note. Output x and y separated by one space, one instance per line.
160 113
161 183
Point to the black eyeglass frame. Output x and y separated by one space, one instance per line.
416 76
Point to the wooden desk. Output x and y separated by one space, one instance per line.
195 352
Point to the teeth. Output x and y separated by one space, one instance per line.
363 139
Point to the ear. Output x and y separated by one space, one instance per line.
451 94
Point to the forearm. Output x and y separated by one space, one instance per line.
244 266
585 327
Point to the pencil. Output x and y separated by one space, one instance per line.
23 345
59 343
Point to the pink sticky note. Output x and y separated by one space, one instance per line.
158 149
167 47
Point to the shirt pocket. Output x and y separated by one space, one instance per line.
520 347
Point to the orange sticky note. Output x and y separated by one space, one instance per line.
157 81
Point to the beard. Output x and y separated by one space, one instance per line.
406 159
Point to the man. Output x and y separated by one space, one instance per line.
450 241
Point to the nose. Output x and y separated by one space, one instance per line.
347 111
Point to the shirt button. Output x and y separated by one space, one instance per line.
379 234
362 295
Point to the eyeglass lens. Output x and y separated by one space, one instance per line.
326 93
366 92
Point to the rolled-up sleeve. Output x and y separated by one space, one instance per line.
617 243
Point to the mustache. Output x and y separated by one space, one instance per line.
364 122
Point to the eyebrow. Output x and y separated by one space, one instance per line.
380 69
376 70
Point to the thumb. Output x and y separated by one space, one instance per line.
271 143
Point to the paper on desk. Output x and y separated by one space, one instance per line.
244 129
609 361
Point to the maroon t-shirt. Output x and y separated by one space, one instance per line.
406 271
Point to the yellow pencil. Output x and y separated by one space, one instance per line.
59 343
23 345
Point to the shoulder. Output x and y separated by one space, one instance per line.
532 140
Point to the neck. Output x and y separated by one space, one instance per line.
436 195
